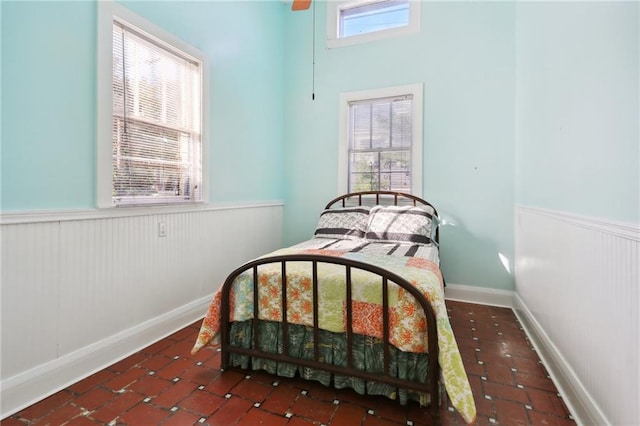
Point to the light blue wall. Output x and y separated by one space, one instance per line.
525 103
578 146
465 57
49 101
48 105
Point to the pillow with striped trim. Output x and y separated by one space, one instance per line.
401 224
346 223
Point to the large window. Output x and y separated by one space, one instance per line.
154 109
359 21
381 140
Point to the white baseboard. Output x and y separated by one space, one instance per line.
33 385
582 407
480 295
20 391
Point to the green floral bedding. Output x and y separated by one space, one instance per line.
332 349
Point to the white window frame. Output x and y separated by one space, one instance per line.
415 90
333 24
108 11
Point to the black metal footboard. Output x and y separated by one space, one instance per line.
430 386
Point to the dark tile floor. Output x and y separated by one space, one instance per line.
164 385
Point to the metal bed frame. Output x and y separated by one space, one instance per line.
431 385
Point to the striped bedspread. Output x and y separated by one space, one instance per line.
428 252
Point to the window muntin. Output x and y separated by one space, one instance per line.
362 21
152 136
380 140
366 18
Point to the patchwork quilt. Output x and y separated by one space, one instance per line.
407 321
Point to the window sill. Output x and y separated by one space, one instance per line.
333 43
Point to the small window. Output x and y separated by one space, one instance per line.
367 18
362 21
381 140
155 140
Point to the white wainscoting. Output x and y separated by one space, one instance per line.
81 290
577 295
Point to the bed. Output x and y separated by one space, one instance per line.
363 301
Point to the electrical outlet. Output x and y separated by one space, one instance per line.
162 229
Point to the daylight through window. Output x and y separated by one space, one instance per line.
352 22
156 126
369 17
380 144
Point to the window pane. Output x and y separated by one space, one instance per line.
363 171
402 123
381 125
152 161
374 17
390 170
361 134
395 171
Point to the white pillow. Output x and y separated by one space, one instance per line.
401 224
344 223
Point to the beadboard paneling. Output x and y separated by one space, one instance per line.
577 283
72 284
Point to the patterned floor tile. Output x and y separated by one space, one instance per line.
163 384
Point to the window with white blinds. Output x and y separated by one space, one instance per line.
157 98
152 107
380 144
381 140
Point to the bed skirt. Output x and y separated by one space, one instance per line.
367 356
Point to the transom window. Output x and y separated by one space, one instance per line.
369 17
156 131
381 140
359 21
